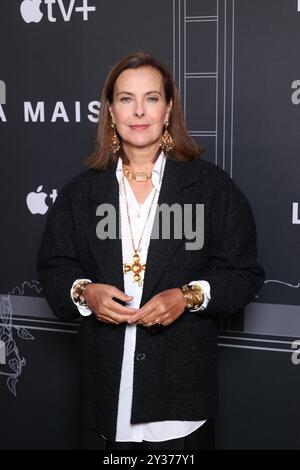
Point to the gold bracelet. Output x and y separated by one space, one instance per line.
78 291
194 296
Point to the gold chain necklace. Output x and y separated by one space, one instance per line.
136 267
138 176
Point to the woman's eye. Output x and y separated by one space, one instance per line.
125 99
153 99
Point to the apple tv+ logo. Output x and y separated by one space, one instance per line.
31 10
36 200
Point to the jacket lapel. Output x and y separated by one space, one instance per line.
107 252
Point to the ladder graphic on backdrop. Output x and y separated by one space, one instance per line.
206 80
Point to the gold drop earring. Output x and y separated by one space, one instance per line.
167 143
115 142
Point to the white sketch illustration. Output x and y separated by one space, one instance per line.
14 362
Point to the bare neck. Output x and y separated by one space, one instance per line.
141 159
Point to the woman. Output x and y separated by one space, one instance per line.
149 304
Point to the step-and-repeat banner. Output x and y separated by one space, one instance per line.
236 63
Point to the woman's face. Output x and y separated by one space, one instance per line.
139 109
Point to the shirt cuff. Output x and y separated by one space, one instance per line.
84 311
206 289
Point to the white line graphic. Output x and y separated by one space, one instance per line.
253 347
2 352
232 87
296 286
217 83
224 90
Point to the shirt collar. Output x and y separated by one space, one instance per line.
157 170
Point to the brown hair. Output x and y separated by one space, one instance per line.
185 147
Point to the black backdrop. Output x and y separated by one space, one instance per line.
236 63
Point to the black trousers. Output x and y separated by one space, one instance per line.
201 439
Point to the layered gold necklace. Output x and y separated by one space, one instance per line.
136 267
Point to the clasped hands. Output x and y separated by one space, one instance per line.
164 308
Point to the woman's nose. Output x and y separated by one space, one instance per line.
139 114
139 110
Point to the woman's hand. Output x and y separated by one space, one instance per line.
164 308
100 299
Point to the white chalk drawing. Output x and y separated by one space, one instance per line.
276 281
14 362
2 352
35 285
296 286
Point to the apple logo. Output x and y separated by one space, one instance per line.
36 202
30 11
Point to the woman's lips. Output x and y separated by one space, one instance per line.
139 127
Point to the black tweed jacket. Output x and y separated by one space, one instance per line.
175 370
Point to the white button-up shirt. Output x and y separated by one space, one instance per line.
161 430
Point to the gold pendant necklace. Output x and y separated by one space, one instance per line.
136 267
